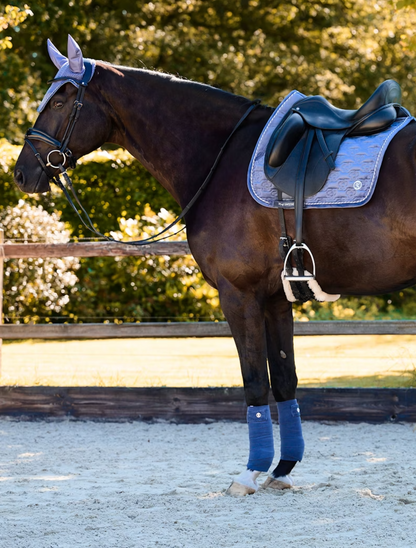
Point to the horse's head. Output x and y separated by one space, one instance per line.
72 122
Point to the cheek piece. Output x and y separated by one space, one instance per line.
260 433
291 439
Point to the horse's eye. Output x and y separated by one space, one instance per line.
58 104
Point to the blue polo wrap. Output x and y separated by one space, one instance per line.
292 444
260 433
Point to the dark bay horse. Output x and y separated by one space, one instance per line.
176 128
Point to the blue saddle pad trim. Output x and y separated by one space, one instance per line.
350 184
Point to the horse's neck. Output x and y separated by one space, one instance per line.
174 127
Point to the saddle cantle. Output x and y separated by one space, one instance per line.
303 148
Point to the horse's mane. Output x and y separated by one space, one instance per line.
161 73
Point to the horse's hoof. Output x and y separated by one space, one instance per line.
284 482
239 490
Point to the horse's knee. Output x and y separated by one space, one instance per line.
284 381
285 390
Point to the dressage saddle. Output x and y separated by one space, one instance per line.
303 147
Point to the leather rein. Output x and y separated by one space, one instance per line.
62 148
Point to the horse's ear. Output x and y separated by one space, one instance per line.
56 56
76 60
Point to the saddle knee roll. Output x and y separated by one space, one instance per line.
284 139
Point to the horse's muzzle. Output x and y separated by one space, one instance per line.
41 184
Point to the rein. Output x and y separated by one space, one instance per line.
61 147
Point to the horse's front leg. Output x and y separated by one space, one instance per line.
245 315
281 358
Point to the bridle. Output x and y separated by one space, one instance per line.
62 148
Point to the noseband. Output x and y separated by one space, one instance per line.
61 147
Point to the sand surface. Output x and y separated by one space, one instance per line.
137 485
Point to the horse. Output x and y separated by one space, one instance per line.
176 128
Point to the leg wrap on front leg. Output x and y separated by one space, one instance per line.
260 431
291 439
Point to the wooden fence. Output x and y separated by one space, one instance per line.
179 404
82 249
198 405
175 329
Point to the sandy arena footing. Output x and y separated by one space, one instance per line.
128 485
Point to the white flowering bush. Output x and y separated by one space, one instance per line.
35 288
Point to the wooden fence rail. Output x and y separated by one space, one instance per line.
90 249
195 405
10 250
193 329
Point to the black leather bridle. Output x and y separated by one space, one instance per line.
62 148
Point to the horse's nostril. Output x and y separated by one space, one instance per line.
19 177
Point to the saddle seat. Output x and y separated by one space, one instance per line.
319 113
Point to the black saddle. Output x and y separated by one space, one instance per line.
302 149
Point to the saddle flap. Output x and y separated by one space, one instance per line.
284 176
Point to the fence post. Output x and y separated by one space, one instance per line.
1 288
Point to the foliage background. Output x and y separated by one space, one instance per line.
338 48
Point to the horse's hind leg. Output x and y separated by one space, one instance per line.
245 314
280 353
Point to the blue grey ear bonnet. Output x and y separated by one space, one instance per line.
70 68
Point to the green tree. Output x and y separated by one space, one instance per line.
14 90
341 49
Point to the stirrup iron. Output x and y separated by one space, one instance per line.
299 278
